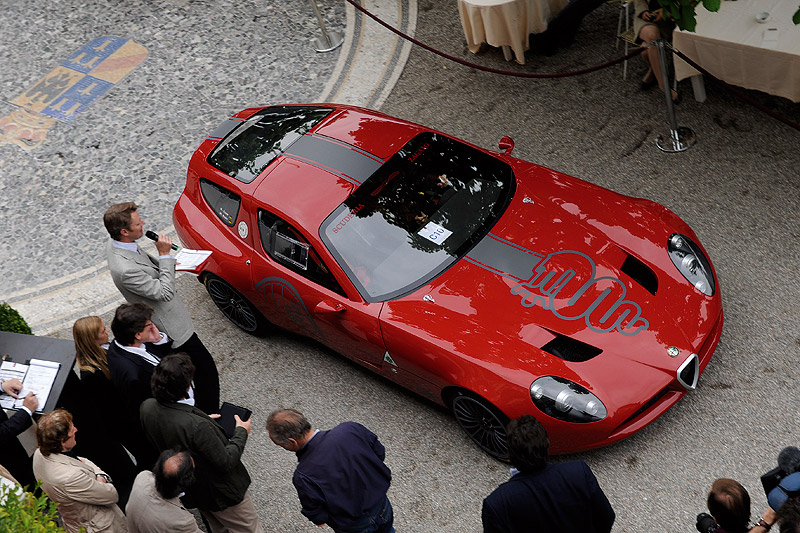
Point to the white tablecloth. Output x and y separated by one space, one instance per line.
731 45
506 22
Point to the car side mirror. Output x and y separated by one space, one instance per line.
506 144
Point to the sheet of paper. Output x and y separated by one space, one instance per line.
39 380
770 38
10 370
191 259
434 232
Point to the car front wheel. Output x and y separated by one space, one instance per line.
483 422
235 306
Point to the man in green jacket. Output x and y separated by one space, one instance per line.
170 421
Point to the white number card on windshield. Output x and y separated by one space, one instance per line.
434 232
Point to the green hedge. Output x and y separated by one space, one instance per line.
27 513
11 320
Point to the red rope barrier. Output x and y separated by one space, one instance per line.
490 69
636 52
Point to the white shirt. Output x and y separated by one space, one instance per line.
153 360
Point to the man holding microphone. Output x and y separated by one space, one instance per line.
140 277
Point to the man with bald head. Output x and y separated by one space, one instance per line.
340 478
154 505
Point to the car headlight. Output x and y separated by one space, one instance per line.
691 262
566 400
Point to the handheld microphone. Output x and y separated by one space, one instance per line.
789 460
154 236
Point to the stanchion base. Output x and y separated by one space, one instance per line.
678 140
335 41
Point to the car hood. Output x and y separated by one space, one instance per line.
563 285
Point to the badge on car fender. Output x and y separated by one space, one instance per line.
673 351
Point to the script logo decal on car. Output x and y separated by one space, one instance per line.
564 275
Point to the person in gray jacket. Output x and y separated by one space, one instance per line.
170 421
140 277
154 506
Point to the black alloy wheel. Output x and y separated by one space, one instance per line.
483 422
235 307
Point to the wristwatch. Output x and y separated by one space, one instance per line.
763 523
108 478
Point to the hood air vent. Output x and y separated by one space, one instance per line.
570 350
641 274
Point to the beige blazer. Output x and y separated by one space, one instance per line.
148 512
82 500
144 278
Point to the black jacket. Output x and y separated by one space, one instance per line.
563 497
14 457
221 478
130 376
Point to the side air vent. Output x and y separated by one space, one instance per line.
570 350
641 274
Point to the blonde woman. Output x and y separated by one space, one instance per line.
91 342
99 406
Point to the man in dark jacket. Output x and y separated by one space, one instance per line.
171 421
14 457
137 348
340 477
564 497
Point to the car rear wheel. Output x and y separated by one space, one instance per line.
235 306
483 422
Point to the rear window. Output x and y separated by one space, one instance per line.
247 150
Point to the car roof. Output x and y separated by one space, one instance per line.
322 168
301 192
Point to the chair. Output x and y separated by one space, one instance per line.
624 14
627 36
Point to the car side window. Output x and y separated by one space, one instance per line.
223 202
288 247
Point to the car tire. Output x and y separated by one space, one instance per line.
484 423
235 306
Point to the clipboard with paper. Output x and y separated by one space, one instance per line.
37 376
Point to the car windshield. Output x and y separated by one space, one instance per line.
417 215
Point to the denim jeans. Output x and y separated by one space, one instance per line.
379 519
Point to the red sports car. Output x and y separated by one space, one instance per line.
493 286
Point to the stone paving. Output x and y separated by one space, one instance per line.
206 60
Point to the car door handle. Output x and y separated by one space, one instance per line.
326 306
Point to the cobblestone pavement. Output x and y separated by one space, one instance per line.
739 189
205 60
